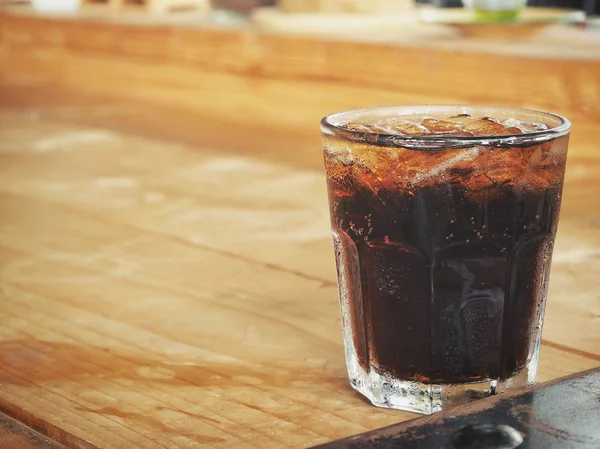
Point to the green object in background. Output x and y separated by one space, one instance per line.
495 11
508 15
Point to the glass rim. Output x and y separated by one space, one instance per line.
441 141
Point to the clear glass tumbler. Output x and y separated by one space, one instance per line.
443 222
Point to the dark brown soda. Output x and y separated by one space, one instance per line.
448 284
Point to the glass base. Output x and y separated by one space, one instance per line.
386 392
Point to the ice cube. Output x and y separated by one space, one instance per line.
511 123
531 127
477 185
536 179
524 126
484 126
342 154
390 126
382 128
410 129
534 156
501 165
363 128
461 132
508 131
440 126
541 171
457 159
411 164
463 119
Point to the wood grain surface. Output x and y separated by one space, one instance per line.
166 268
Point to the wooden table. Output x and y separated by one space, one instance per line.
166 273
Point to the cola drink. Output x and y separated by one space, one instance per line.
443 228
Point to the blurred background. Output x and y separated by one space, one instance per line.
162 195
282 65
289 62
253 78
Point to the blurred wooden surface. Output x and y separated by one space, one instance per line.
167 276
